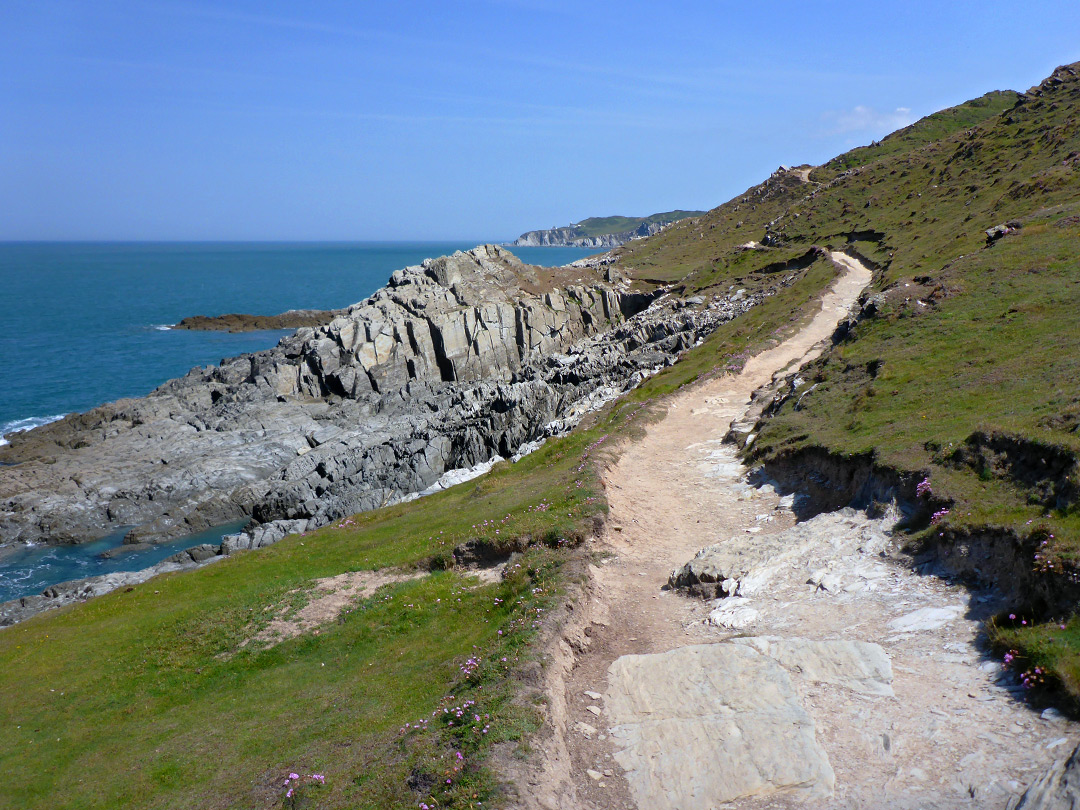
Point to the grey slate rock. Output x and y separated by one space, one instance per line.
1057 789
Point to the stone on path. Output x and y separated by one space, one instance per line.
706 724
928 618
733 613
745 565
586 730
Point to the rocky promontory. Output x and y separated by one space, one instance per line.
239 322
456 361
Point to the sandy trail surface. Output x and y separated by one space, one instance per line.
835 676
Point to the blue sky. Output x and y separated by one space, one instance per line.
476 119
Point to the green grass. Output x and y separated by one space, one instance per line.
144 698
703 254
993 351
1045 655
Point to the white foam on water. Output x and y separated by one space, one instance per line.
19 425
162 327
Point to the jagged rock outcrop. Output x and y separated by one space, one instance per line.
455 361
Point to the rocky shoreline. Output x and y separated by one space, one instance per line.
455 362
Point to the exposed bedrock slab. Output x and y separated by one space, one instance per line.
706 724
925 619
860 666
745 564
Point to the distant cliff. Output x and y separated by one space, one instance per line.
602 232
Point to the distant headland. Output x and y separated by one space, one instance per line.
602 232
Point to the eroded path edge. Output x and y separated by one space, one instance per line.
863 677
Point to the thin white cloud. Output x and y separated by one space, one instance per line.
692 78
860 119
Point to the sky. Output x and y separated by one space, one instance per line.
476 119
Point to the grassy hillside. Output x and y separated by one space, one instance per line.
962 337
962 368
926 130
705 253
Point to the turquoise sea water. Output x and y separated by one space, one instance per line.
87 323
31 569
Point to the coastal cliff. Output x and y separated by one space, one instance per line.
455 362
602 232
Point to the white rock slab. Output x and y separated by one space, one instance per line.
733 613
706 724
928 618
856 665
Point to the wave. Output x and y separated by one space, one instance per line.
161 327
19 425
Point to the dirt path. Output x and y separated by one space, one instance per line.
864 689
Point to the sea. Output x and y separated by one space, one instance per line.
89 322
